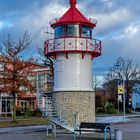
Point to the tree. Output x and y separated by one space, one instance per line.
96 83
110 85
47 60
14 70
127 71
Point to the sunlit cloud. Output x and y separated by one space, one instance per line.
1 25
5 24
132 30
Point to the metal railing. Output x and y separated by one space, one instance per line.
73 44
94 21
55 20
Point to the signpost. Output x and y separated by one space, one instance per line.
120 93
120 89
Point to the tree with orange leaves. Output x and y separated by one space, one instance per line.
14 70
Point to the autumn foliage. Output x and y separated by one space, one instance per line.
14 70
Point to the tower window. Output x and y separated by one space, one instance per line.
59 31
72 30
86 31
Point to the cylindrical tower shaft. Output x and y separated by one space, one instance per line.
74 73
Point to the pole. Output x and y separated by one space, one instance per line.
120 65
118 134
124 101
37 91
118 105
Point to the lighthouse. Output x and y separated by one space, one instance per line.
73 49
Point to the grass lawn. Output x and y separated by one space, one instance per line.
134 116
24 122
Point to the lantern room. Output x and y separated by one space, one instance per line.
73 33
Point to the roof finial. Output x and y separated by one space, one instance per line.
73 2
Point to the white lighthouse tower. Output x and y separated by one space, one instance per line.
74 49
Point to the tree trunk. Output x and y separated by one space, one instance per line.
14 107
127 104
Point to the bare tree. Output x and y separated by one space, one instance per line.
96 83
110 85
131 75
47 60
14 70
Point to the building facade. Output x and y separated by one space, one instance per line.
39 75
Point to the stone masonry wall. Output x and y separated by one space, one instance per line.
75 101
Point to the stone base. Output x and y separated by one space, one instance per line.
82 102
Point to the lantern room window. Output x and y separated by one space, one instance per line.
72 30
59 31
86 31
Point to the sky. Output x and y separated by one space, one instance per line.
118 25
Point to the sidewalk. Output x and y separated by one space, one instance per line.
24 129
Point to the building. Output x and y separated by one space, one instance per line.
39 75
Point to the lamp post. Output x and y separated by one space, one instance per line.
120 66
118 98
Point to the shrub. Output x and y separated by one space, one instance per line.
27 112
109 108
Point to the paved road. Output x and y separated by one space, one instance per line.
42 136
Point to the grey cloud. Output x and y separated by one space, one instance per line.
113 16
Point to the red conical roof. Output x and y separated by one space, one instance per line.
73 16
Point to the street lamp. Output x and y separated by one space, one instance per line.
120 66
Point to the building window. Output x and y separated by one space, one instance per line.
59 31
23 104
86 31
72 30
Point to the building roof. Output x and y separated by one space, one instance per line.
73 16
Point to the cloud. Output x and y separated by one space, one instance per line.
34 20
124 43
37 22
5 24
118 24
132 30
1 25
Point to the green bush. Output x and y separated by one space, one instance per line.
109 108
27 112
